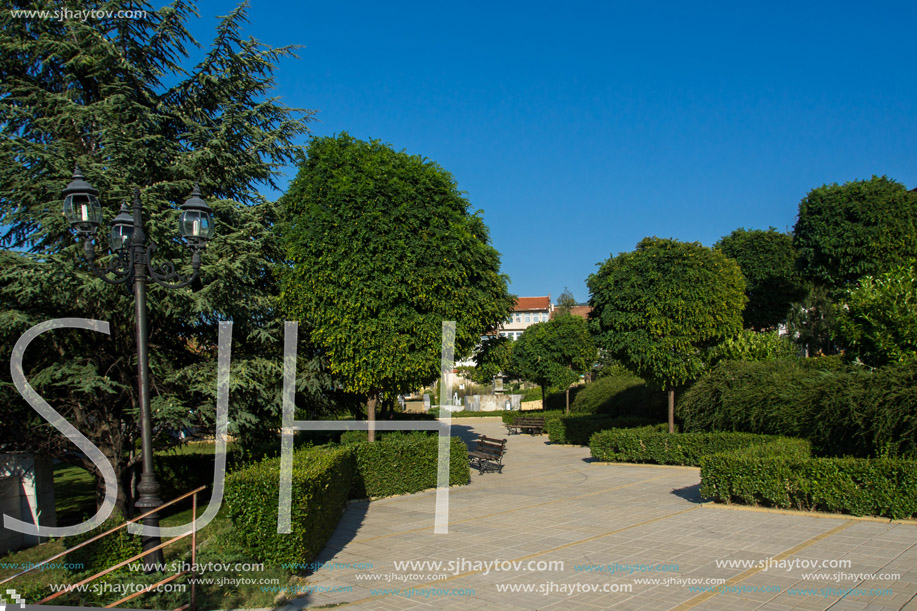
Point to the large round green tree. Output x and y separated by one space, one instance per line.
863 227
768 263
382 249
657 308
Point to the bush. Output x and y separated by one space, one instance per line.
782 474
756 397
107 551
650 444
840 409
401 463
321 484
620 395
510 416
576 430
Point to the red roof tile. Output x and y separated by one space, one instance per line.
533 303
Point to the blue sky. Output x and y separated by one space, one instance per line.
579 128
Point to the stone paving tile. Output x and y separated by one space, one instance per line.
550 504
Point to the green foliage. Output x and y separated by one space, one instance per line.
554 353
753 346
657 307
491 358
768 263
402 463
781 474
510 416
813 323
651 444
321 483
324 477
841 410
105 552
118 97
620 395
383 249
878 323
860 228
767 397
577 429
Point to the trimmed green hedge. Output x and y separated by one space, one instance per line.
578 429
401 463
782 474
651 444
321 484
510 416
621 395
324 478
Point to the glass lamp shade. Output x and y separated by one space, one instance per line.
195 222
81 204
122 228
83 211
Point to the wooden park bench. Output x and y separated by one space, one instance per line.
527 424
488 454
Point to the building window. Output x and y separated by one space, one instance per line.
528 317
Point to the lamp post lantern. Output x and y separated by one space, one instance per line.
134 265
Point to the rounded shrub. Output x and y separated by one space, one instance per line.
620 395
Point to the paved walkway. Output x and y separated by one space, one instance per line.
584 535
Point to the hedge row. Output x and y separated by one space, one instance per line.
323 479
840 409
510 416
621 395
401 463
782 474
577 430
321 485
652 444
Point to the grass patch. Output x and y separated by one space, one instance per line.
74 494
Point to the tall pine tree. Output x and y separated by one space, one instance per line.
114 96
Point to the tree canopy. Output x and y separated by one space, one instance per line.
768 263
657 308
860 228
114 96
382 249
554 353
491 358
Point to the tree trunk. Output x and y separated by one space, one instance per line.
568 402
544 404
671 393
371 415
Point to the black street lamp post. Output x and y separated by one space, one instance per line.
134 265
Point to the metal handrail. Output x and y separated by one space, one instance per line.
192 534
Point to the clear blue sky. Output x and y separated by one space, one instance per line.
579 128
